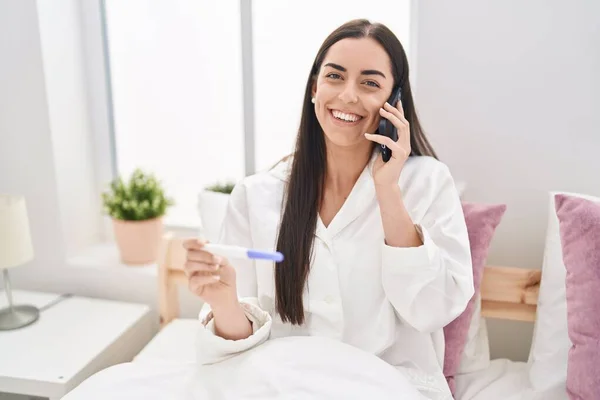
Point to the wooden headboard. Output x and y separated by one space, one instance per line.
506 292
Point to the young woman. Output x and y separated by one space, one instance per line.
376 253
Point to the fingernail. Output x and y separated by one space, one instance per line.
218 260
216 267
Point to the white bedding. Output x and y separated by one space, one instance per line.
175 343
502 380
305 367
166 369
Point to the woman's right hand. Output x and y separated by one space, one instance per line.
210 277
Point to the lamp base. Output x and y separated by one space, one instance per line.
18 317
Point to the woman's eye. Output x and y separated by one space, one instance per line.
372 83
333 75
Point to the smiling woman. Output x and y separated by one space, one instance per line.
376 253
353 74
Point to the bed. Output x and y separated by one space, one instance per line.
166 364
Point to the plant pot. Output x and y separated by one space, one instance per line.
212 207
138 241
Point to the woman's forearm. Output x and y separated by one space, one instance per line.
398 227
231 322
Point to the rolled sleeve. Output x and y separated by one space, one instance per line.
212 348
411 259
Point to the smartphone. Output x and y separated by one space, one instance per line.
386 127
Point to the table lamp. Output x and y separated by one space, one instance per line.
15 250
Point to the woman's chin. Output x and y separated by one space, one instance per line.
346 139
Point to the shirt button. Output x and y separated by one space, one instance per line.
329 299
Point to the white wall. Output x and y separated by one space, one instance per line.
509 92
26 159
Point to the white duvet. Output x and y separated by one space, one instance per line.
305 367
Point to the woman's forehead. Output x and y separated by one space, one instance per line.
359 54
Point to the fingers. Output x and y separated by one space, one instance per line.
398 111
199 261
191 267
196 253
205 257
381 139
394 117
396 148
200 279
194 244
202 261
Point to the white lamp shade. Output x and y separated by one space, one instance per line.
15 239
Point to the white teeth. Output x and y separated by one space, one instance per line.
345 117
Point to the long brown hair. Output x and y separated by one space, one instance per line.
304 189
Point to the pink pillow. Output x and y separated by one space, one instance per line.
482 220
579 224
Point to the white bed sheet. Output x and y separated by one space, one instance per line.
168 361
175 343
503 380
303 367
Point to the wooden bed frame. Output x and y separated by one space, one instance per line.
506 292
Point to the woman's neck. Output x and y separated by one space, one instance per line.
344 166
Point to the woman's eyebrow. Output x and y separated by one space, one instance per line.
372 72
364 72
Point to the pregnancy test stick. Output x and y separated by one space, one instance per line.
242 252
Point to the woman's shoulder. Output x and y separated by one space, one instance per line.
267 182
425 174
425 165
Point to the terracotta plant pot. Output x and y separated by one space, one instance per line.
138 241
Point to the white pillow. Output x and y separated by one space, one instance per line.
550 346
476 354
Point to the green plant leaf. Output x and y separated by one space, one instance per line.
141 197
226 187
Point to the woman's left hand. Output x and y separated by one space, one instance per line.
388 173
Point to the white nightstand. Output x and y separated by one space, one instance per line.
72 339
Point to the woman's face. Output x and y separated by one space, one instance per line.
354 82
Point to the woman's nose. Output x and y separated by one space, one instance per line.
348 95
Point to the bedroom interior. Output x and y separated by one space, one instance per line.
507 92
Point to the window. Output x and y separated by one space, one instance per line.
177 87
177 93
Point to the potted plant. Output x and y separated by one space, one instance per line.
212 206
137 208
